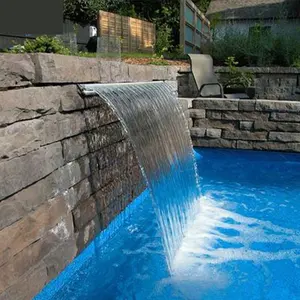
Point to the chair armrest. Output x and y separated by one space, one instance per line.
218 84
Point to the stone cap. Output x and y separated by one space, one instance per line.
21 70
262 70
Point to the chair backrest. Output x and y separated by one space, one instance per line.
203 72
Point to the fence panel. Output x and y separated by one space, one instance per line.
136 34
194 27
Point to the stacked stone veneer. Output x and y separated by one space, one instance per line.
67 167
246 124
270 83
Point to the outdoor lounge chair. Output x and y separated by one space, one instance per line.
206 79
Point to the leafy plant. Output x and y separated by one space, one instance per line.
237 77
163 40
44 44
296 63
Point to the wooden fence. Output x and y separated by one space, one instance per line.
136 35
194 27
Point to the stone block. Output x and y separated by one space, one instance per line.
115 169
99 116
87 234
288 80
93 101
246 145
211 114
17 70
284 137
245 116
14 174
213 143
106 156
29 103
138 73
20 138
197 113
269 146
31 228
106 135
105 71
79 192
61 126
247 105
183 103
213 133
119 72
109 213
59 258
35 252
172 72
29 284
159 73
70 99
220 124
244 135
215 104
111 191
285 117
277 106
57 183
246 125
84 213
74 147
54 68
277 126
197 132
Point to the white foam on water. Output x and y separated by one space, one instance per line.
214 223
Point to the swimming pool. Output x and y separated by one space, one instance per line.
244 243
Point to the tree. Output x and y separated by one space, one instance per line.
82 12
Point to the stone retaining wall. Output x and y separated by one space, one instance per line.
246 124
270 83
67 167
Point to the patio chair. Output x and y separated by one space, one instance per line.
206 79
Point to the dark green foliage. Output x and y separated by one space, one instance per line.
256 49
202 5
81 12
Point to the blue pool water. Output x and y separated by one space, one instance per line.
244 243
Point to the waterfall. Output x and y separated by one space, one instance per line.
156 125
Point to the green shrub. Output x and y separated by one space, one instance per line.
258 49
44 44
237 77
163 40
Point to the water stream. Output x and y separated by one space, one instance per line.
157 127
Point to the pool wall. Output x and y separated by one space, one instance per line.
246 124
67 167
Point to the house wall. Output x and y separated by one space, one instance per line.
291 27
246 124
67 167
